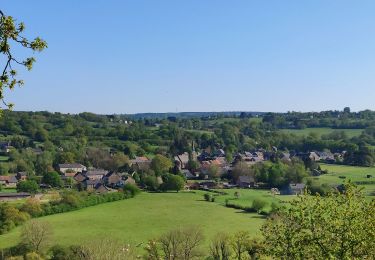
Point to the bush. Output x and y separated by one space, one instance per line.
59 252
173 182
33 207
151 183
259 204
207 197
131 190
27 186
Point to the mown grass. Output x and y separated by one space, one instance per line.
142 218
323 131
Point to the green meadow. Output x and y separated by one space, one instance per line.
337 174
4 158
247 196
323 131
145 217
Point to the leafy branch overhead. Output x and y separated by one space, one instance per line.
11 33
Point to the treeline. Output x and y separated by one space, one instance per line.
42 140
344 119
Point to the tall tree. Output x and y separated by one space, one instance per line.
36 235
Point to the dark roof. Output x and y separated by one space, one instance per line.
101 185
92 182
297 186
20 194
13 179
246 179
80 177
188 174
96 172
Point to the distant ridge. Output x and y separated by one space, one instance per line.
190 114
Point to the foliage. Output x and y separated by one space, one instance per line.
27 186
151 183
240 242
338 226
11 33
207 196
259 204
33 207
241 169
182 243
220 247
172 182
36 235
11 217
161 164
53 179
279 174
105 249
131 190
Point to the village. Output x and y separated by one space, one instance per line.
201 170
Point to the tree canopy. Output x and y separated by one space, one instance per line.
338 226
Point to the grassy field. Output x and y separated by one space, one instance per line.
353 173
246 197
323 131
144 217
8 190
4 158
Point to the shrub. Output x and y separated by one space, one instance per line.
131 190
207 197
33 207
27 186
173 182
259 204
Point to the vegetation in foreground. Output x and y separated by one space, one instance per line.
338 226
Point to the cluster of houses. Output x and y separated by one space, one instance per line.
11 180
102 181
218 158
98 180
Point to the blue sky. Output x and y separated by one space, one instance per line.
122 56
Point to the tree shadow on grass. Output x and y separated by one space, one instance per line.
257 216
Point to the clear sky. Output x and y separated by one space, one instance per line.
128 56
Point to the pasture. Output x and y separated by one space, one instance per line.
322 131
247 196
145 217
4 158
337 174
